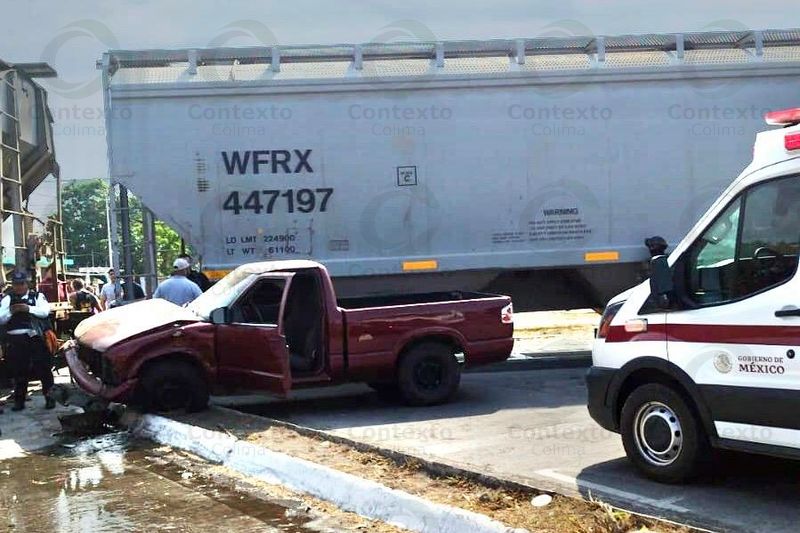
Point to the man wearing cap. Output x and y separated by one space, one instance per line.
21 310
178 289
198 277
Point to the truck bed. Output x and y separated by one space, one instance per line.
392 300
378 328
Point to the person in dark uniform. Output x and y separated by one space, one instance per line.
23 312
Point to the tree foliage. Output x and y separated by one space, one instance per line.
86 229
85 225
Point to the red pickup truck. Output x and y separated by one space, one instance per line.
276 326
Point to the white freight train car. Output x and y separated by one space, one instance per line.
535 167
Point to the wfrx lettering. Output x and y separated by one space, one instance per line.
267 162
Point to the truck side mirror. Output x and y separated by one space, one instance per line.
661 284
221 315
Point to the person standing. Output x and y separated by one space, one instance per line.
196 276
111 293
22 311
178 289
83 300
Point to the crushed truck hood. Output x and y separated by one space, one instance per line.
103 330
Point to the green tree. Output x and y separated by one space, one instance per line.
85 225
86 229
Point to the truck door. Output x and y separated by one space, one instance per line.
739 338
251 348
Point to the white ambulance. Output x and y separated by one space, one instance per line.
706 354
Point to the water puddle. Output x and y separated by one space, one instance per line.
111 483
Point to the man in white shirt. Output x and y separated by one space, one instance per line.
178 289
22 311
111 291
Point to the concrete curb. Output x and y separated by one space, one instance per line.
541 361
350 493
543 485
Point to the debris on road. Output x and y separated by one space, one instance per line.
541 500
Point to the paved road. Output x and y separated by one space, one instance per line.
532 426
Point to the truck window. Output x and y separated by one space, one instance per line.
753 245
261 304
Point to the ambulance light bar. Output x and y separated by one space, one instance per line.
784 117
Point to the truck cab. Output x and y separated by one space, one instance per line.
704 354
275 326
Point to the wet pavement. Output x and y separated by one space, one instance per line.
109 483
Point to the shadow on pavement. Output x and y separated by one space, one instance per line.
480 394
741 492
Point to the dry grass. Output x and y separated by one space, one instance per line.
512 507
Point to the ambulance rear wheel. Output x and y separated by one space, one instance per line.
662 435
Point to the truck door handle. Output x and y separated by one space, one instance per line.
788 311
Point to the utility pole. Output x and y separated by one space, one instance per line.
127 252
150 255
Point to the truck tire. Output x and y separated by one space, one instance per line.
428 374
662 435
171 385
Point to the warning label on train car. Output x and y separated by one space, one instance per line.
561 214
558 224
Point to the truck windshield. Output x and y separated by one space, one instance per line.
222 293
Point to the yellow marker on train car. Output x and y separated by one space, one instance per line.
610 255
414 266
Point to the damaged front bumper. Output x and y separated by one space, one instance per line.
92 384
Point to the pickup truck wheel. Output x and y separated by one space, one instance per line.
428 374
173 385
662 436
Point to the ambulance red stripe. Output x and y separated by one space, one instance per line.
710 333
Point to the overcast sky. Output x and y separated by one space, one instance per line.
72 35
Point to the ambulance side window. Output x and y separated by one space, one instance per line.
752 246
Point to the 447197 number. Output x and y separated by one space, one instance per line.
271 201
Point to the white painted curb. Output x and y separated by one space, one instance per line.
351 493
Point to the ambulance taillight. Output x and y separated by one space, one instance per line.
792 142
